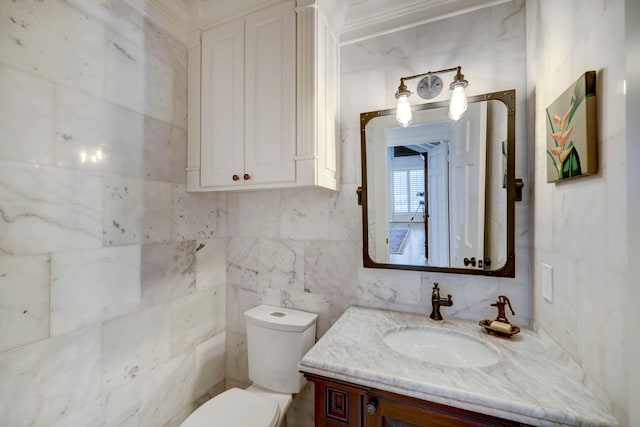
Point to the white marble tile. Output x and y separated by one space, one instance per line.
168 271
211 264
180 98
138 80
91 286
600 332
240 300
257 214
354 101
42 37
350 159
390 48
96 135
301 411
24 300
91 415
122 405
593 52
243 264
237 362
281 264
177 420
197 215
508 20
388 287
320 215
330 266
135 345
168 391
121 18
614 168
210 363
46 209
165 152
136 211
42 382
437 38
578 206
328 307
195 318
558 319
26 117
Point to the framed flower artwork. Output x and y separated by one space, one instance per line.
572 132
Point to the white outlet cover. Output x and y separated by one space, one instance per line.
547 282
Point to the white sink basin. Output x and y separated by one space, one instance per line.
441 346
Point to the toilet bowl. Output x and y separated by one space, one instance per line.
277 338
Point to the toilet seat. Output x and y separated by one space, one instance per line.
235 408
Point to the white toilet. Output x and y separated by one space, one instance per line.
277 338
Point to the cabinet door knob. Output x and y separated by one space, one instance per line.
235 177
371 408
246 177
471 261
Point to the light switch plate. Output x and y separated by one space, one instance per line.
547 282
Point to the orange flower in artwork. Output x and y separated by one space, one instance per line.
562 135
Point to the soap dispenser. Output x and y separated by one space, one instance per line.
501 325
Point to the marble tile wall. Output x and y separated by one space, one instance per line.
581 226
112 276
302 248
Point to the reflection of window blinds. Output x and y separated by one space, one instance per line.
416 185
407 183
400 192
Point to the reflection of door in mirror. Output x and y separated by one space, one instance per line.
467 159
418 196
438 202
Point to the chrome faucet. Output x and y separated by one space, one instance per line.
437 302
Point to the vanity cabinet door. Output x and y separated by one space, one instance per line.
337 404
390 410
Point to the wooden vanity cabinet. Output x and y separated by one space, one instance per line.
341 404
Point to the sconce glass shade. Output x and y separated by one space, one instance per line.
403 111
458 102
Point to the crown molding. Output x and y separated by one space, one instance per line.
372 18
170 15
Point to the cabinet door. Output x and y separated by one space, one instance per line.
270 95
222 114
410 412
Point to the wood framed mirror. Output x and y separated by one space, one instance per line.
439 195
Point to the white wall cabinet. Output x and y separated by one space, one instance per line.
263 102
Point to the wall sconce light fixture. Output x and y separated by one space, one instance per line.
429 87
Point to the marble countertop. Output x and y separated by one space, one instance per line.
535 382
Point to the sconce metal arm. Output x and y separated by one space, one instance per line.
446 70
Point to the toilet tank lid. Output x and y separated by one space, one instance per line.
280 318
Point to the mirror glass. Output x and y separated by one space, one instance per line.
439 194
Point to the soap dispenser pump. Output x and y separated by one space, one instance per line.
502 301
501 325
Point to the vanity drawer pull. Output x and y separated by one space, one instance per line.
371 408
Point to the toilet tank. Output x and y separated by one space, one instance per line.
277 338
